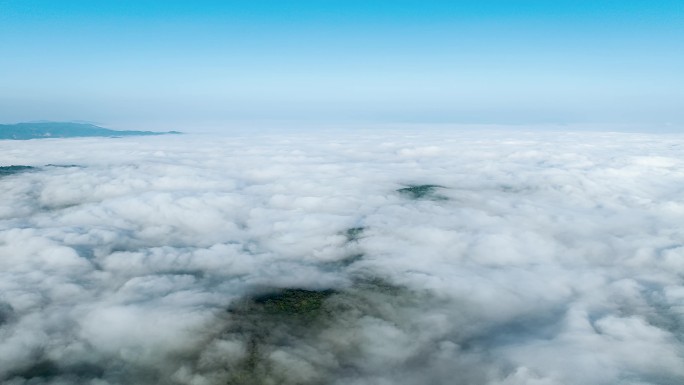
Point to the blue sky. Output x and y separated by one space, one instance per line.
173 63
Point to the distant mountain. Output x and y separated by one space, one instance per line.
43 130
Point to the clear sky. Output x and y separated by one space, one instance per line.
140 63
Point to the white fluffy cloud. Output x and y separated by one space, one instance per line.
533 258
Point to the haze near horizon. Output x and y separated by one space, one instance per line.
180 64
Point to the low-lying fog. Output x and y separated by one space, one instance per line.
343 258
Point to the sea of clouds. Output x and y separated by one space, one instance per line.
525 258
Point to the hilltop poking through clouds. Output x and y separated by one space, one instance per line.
43 130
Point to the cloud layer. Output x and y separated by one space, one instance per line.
391 257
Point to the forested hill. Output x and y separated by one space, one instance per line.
42 130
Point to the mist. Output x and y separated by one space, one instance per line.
355 257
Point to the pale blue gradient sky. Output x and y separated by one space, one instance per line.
176 63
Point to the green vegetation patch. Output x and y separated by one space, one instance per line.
293 302
64 165
294 309
9 170
264 322
354 233
45 369
296 322
423 191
